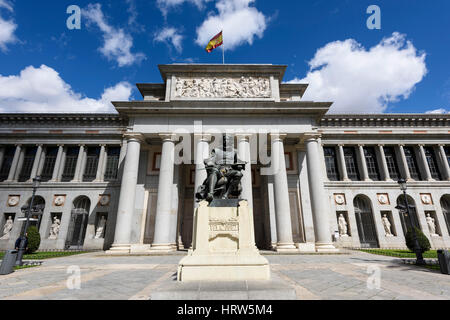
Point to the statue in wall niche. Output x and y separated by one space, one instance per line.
54 229
387 226
100 228
431 225
342 224
7 228
224 171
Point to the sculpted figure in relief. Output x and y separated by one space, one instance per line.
7 229
243 87
387 226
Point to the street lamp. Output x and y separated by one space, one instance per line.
28 209
417 250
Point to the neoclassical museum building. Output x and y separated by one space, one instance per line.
126 182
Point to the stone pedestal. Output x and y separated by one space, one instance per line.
223 246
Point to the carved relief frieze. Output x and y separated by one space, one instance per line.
223 87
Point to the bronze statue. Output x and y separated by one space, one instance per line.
224 171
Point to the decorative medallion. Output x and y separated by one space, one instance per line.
104 200
383 198
13 201
426 198
224 87
59 200
339 198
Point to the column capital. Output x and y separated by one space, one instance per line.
441 145
203 137
244 135
310 136
380 145
277 136
361 145
341 145
134 136
172 137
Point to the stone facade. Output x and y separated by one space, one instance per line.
129 169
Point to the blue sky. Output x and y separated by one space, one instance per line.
402 68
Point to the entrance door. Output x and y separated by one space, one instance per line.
365 223
78 224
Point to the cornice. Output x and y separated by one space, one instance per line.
64 119
385 120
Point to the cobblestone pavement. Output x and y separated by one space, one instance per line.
352 276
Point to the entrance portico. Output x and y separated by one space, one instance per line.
179 122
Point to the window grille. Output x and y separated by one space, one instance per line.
412 163
27 166
70 164
391 162
7 162
372 164
432 164
49 163
351 164
112 163
90 172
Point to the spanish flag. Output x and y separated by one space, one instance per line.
215 42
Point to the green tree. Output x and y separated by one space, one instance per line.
424 243
34 239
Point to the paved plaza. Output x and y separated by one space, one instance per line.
352 276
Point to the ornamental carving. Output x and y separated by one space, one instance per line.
339 199
244 87
383 198
13 201
59 200
104 200
426 198
224 227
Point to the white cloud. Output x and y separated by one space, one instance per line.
42 89
170 36
117 44
438 111
165 5
240 24
364 81
7 27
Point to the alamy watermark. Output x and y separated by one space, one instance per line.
374 21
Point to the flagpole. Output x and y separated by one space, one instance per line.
223 49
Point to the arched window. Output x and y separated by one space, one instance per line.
365 222
445 204
78 223
404 217
37 213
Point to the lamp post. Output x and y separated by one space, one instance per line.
417 250
36 183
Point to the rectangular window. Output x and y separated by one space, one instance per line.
391 162
331 163
112 163
432 164
70 164
412 163
49 164
7 162
90 172
351 164
27 166
371 162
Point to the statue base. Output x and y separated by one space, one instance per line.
223 247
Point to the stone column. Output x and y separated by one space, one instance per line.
365 172
164 220
244 155
62 164
443 160
428 176
404 163
2 155
319 203
15 162
57 163
19 164
282 208
342 166
101 159
384 166
127 197
77 175
201 153
123 152
36 163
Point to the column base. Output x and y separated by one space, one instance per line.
286 247
306 247
163 247
119 249
326 248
